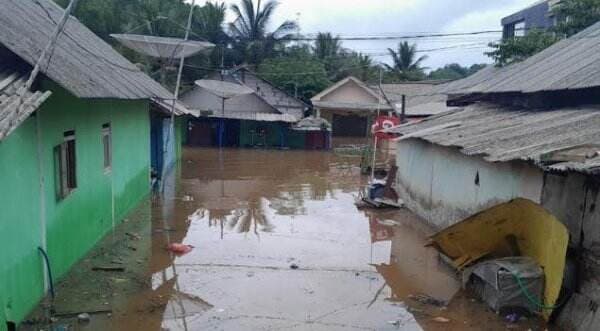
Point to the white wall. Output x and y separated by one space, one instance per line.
438 183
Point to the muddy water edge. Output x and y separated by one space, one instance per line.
277 244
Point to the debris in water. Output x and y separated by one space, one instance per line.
109 268
388 223
294 266
513 318
180 249
133 236
427 300
441 320
83 318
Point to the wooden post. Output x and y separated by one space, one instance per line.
403 113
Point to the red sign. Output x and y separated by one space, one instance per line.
383 123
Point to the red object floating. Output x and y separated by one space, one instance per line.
180 249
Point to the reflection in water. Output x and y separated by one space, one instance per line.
251 215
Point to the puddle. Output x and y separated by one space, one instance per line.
278 245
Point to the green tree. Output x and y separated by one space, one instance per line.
406 65
297 72
358 65
327 46
516 49
454 71
575 15
249 30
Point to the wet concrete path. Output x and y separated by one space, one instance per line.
278 245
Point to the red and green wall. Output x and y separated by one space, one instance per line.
69 228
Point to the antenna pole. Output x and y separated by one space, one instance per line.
176 94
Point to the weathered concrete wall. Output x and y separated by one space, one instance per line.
573 198
444 186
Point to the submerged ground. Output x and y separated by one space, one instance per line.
278 245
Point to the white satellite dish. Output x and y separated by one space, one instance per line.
224 90
162 47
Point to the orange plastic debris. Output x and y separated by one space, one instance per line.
179 249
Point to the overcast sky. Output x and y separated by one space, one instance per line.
404 17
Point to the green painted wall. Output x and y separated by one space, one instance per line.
77 222
21 283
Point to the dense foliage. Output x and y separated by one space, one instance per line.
454 71
300 67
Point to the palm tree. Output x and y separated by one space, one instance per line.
326 46
406 66
208 22
249 30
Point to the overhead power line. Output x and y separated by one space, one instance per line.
401 37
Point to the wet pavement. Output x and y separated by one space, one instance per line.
278 245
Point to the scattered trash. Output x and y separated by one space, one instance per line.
427 300
133 236
164 230
109 268
83 318
294 266
513 318
388 223
187 198
179 249
441 320
394 323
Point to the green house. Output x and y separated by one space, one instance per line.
74 150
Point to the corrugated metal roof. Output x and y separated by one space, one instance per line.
352 106
13 109
422 98
572 63
81 62
503 134
261 117
167 105
279 99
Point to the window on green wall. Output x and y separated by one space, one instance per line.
65 166
107 145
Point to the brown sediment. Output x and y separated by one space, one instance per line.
252 215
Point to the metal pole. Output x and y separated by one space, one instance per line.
176 95
375 133
49 46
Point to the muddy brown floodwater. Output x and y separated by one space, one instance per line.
278 245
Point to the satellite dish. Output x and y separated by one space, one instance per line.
162 47
224 90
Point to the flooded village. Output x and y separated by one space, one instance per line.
199 165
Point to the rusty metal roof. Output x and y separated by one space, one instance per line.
82 63
505 134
